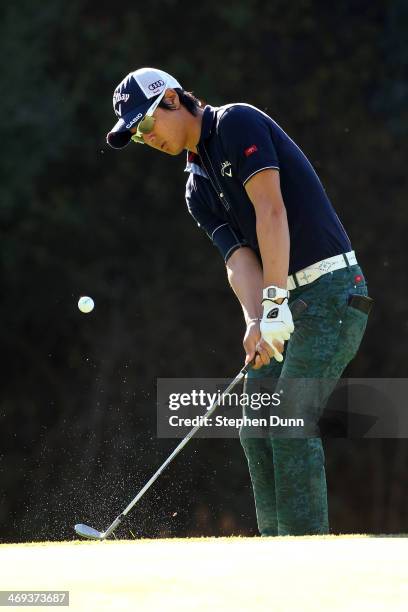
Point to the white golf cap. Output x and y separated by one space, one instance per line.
132 99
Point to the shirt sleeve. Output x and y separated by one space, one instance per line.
220 232
246 137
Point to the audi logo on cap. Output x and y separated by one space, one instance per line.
156 85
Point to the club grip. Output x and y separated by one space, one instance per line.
296 308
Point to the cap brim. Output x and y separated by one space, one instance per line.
120 134
118 140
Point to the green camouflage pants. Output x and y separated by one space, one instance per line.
288 474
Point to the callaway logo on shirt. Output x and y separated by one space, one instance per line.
226 169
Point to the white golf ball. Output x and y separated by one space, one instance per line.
86 304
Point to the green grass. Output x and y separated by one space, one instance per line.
329 573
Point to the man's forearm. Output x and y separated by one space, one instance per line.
246 279
274 243
271 226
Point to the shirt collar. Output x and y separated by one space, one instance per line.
207 122
193 165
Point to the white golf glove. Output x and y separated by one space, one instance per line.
276 324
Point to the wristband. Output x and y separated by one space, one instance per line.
274 293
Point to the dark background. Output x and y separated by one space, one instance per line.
77 412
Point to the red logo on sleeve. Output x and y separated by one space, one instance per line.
250 150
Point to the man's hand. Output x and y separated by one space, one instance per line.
255 345
276 326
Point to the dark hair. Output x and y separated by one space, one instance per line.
187 99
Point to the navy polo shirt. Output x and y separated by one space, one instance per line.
237 141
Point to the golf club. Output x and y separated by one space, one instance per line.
93 534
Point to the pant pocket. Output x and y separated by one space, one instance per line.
353 326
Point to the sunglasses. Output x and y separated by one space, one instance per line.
146 125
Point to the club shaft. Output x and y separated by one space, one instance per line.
183 443
112 527
299 306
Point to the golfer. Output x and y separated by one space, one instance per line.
256 195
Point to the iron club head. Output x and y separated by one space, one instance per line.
89 532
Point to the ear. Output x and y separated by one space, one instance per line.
171 99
